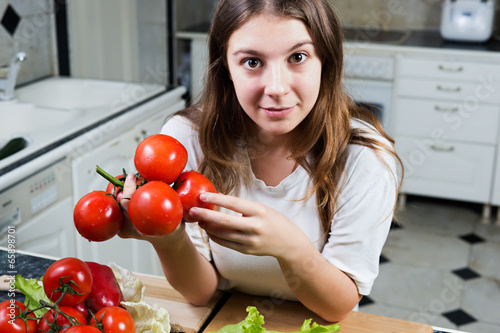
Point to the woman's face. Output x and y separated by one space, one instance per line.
275 70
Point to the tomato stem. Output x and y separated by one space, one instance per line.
108 177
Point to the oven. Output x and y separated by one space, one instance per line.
369 81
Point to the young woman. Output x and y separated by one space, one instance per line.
307 181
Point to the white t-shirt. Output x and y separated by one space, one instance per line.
359 229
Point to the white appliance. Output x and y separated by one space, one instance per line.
34 212
369 81
468 20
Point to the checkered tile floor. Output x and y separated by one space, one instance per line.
440 267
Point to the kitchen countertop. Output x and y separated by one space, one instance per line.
229 310
82 123
50 146
27 265
409 38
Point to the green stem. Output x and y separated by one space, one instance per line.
108 177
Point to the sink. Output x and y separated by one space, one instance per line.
20 119
66 93
53 108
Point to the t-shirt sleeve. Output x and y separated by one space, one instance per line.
363 216
183 130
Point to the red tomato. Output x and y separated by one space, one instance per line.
160 157
9 309
155 209
61 322
71 274
189 186
82 307
114 320
82 329
98 216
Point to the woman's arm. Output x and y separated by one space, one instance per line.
260 230
318 284
184 267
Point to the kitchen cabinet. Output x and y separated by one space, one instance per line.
446 119
114 155
199 60
495 197
34 214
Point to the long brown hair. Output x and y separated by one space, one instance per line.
321 146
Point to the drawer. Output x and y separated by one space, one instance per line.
450 170
453 121
446 69
468 93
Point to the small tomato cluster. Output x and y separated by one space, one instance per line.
165 193
84 298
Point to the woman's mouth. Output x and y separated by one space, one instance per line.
277 111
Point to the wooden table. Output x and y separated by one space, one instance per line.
279 315
192 318
288 317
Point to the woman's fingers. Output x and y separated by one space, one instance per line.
128 230
128 190
242 206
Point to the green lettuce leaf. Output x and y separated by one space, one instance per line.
33 291
254 321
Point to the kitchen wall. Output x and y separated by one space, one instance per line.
386 14
394 14
193 12
390 14
28 26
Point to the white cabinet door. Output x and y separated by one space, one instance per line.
50 233
132 254
495 200
448 69
428 118
468 93
199 65
449 170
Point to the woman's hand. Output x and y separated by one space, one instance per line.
259 230
187 271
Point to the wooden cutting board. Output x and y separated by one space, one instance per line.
288 317
191 318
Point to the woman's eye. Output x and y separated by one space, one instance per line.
252 63
298 58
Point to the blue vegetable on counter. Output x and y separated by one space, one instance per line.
254 321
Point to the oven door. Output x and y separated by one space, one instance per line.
373 94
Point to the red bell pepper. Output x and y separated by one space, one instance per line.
105 289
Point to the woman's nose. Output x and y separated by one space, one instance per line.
277 80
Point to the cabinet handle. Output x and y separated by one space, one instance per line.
447 89
442 148
451 69
445 109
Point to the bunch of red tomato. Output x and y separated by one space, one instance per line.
164 193
68 283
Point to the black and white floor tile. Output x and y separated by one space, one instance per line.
440 266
